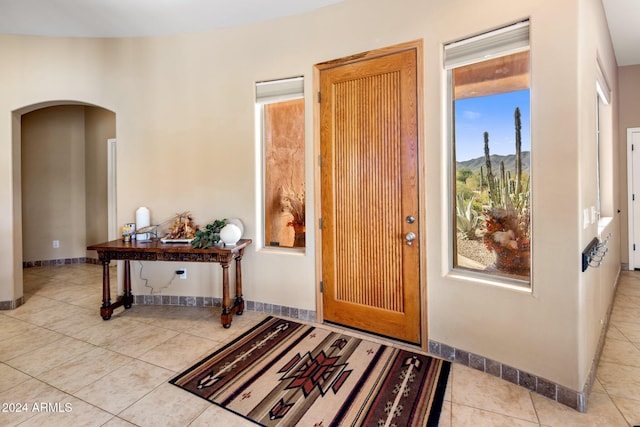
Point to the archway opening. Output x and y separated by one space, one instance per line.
62 180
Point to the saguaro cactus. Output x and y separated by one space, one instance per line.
492 187
507 218
504 190
518 124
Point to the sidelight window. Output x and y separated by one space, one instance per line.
280 121
604 149
489 98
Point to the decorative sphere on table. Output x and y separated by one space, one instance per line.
230 234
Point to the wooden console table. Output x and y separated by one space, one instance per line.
155 250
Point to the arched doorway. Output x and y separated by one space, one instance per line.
62 197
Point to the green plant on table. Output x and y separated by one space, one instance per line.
209 235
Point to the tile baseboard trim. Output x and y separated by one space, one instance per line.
571 398
188 301
574 399
259 307
591 378
11 305
577 400
61 261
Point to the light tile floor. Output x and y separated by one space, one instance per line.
62 365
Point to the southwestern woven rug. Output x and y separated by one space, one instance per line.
283 373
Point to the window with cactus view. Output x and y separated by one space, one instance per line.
491 147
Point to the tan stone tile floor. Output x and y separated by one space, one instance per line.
56 349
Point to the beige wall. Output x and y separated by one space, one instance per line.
186 142
64 180
53 183
595 286
99 126
629 103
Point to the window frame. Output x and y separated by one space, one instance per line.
603 105
508 40
271 92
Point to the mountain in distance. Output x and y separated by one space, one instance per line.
509 163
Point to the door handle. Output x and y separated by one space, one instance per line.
410 237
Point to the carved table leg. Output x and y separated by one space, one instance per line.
226 303
106 310
239 300
127 299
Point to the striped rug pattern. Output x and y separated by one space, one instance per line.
283 373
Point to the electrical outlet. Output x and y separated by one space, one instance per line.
56 244
182 273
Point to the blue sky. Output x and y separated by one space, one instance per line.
493 114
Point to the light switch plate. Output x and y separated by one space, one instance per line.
585 218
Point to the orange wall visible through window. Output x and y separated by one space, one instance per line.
503 74
284 173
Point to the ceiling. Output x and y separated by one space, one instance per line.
129 18
623 17
135 18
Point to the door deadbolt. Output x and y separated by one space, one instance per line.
410 219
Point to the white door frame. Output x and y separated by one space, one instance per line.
112 222
630 197
112 206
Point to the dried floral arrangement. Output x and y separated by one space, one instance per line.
293 201
182 227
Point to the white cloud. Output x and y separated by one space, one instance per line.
471 115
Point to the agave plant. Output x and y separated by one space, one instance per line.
467 219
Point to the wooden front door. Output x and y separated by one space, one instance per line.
369 192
